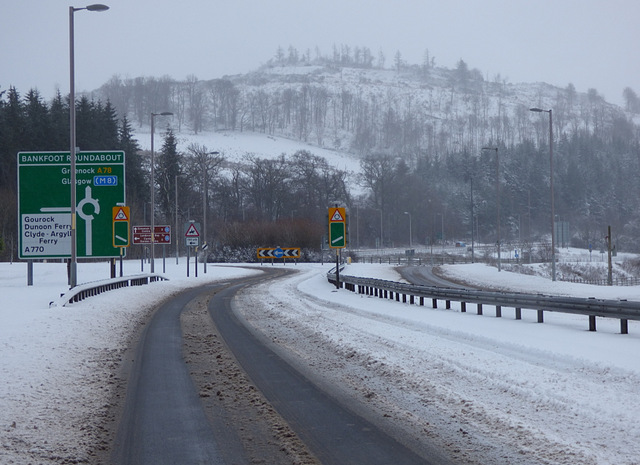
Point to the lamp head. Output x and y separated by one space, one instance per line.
97 7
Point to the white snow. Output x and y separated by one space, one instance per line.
234 146
490 390
56 363
495 390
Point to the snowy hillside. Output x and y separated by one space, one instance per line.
236 145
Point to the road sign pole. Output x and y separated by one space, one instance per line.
337 268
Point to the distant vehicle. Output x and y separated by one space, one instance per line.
460 244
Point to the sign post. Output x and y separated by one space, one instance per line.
337 235
192 239
121 216
161 235
337 228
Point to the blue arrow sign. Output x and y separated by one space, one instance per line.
278 253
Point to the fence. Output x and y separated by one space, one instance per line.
83 291
590 307
451 259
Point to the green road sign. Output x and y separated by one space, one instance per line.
44 199
337 236
121 234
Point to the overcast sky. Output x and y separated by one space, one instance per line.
590 43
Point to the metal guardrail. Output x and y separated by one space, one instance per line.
83 291
620 309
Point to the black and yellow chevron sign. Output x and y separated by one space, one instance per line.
279 252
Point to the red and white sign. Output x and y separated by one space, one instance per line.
192 231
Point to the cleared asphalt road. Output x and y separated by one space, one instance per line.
164 422
423 275
335 434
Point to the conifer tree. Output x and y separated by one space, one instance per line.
168 166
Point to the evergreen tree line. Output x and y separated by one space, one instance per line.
256 202
30 124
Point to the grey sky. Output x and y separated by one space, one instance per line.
590 43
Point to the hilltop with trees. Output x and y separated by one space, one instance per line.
418 129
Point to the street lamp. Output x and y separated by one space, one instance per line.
204 207
410 240
497 199
176 219
553 234
442 231
153 189
472 222
73 264
381 235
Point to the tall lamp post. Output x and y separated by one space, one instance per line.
381 235
441 215
73 263
472 222
153 189
410 239
176 218
497 199
553 233
204 207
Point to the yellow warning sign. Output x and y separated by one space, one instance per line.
120 213
337 215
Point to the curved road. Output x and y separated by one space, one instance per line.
164 422
424 275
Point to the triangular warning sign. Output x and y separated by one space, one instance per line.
121 216
337 216
192 231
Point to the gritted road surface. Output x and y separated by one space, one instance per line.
164 421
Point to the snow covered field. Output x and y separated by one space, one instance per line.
489 390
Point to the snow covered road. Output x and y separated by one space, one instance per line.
487 390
